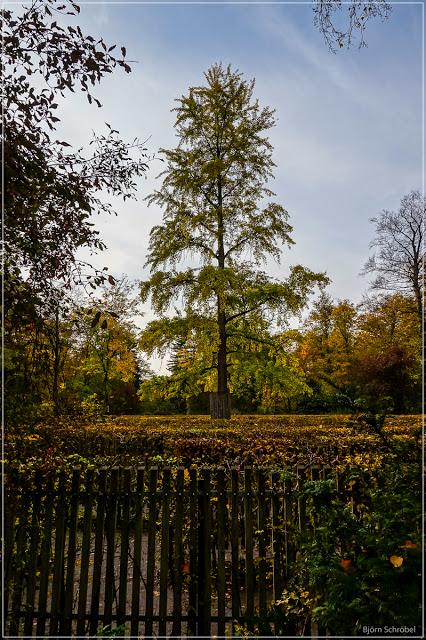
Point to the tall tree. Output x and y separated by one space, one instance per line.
52 191
399 259
326 346
213 197
387 361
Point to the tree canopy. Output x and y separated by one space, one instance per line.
52 191
215 205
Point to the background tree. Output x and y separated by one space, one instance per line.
399 260
213 199
386 360
325 347
368 354
107 361
343 23
52 191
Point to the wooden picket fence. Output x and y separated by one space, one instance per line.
154 552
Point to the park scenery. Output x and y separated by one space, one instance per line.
213 321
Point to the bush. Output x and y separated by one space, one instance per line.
360 564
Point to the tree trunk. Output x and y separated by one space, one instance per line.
106 392
220 406
56 364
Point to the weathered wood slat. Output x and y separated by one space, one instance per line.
165 522
152 527
288 517
248 522
21 542
33 553
204 563
98 553
110 529
276 538
137 554
85 554
65 627
235 550
301 503
58 563
45 559
193 572
124 547
10 511
178 554
221 577
261 526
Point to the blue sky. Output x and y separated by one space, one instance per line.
348 142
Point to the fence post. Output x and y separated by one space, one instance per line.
221 524
10 504
178 555
85 553
124 547
204 555
276 538
301 501
32 567
21 537
235 550
56 611
152 526
192 604
290 518
45 559
137 554
262 540
110 525
65 627
165 518
250 577
98 555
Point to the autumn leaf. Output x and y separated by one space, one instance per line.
345 564
408 545
396 561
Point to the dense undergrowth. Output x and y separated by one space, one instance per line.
269 441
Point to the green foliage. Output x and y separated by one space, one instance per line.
91 407
105 363
352 562
52 190
213 193
109 632
360 562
